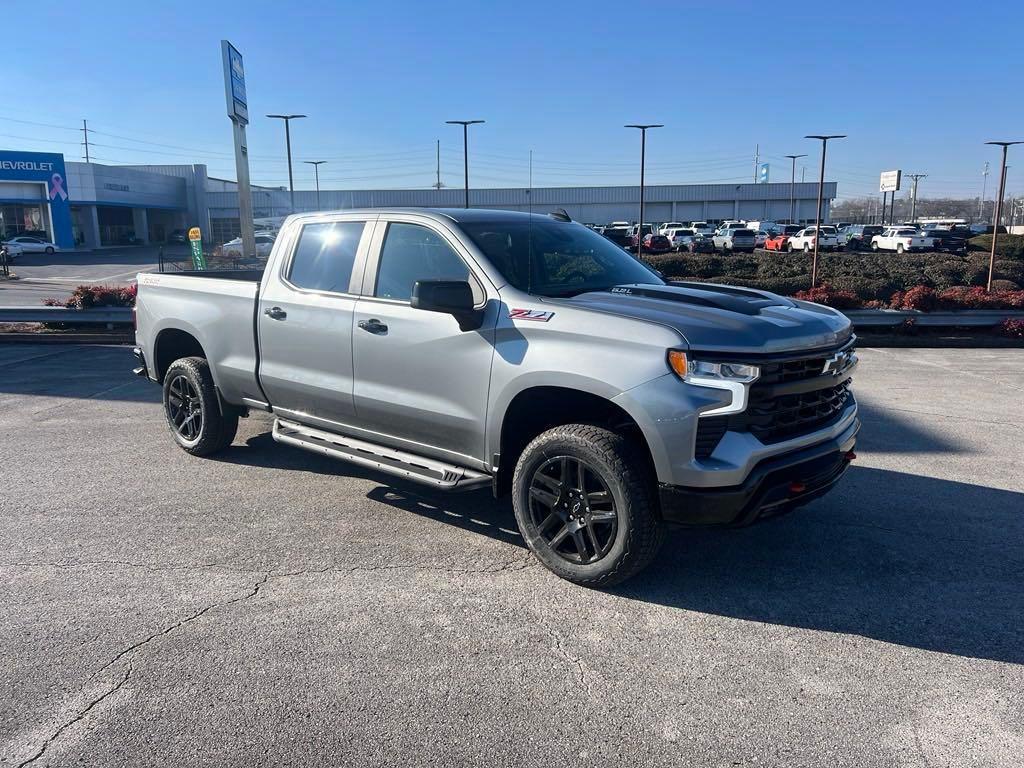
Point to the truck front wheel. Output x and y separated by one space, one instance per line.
192 410
584 502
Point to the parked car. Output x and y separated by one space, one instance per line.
657 244
25 244
679 237
760 238
233 248
948 240
700 244
985 229
664 228
804 240
777 242
900 239
606 401
857 237
701 227
636 232
619 236
769 227
735 239
790 229
177 236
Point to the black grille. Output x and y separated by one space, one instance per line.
772 418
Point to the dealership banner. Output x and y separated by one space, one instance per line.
46 168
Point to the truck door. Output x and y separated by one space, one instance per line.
305 320
420 382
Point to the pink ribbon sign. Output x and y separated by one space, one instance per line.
57 187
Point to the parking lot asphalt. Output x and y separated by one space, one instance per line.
273 607
42 276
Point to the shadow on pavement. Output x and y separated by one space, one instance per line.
96 372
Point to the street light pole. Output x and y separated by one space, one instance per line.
821 188
792 188
999 209
465 148
316 170
643 162
288 145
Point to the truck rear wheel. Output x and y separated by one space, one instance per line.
584 502
192 408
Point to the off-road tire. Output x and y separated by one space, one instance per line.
217 429
619 465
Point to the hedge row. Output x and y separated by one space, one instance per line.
921 298
869 276
1011 246
89 296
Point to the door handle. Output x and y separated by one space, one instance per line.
276 313
373 326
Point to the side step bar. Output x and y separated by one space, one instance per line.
439 474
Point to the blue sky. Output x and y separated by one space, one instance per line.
918 86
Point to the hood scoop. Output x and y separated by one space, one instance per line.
728 298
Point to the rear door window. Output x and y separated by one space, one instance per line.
325 255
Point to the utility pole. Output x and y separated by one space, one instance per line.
984 186
757 160
316 170
999 209
85 131
288 146
643 156
913 194
438 184
821 189
530 191
465 148
792 188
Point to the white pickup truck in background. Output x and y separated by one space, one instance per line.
804 240
900 239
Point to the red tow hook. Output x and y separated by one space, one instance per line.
797 487
850 455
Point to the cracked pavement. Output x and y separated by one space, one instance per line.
274 607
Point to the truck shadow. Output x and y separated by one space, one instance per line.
899 558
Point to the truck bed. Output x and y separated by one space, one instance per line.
218 308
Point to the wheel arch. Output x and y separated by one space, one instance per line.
537 408
171 344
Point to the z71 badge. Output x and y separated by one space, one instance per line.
530 314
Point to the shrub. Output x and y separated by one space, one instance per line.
830 297
921 297
88 296
1013 329
1008 245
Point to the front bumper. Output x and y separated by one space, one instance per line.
775 485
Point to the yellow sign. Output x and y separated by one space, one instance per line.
194 234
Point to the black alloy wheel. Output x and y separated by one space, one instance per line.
184 408
573 510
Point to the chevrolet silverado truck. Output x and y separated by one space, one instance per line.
525 352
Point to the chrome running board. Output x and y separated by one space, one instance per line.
439 474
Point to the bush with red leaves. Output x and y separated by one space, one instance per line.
89 296
1013 329
920 297
831 297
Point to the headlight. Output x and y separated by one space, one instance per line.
733 377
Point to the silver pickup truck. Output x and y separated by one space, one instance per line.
467 348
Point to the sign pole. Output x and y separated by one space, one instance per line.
238 111
195 240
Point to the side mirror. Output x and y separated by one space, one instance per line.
450 297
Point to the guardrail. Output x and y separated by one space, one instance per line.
973 318
865 318
95 316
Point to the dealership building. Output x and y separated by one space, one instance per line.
89 205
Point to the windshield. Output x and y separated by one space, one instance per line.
565 259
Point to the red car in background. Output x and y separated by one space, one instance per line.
776 243
657 244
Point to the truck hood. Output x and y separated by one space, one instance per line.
723 318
